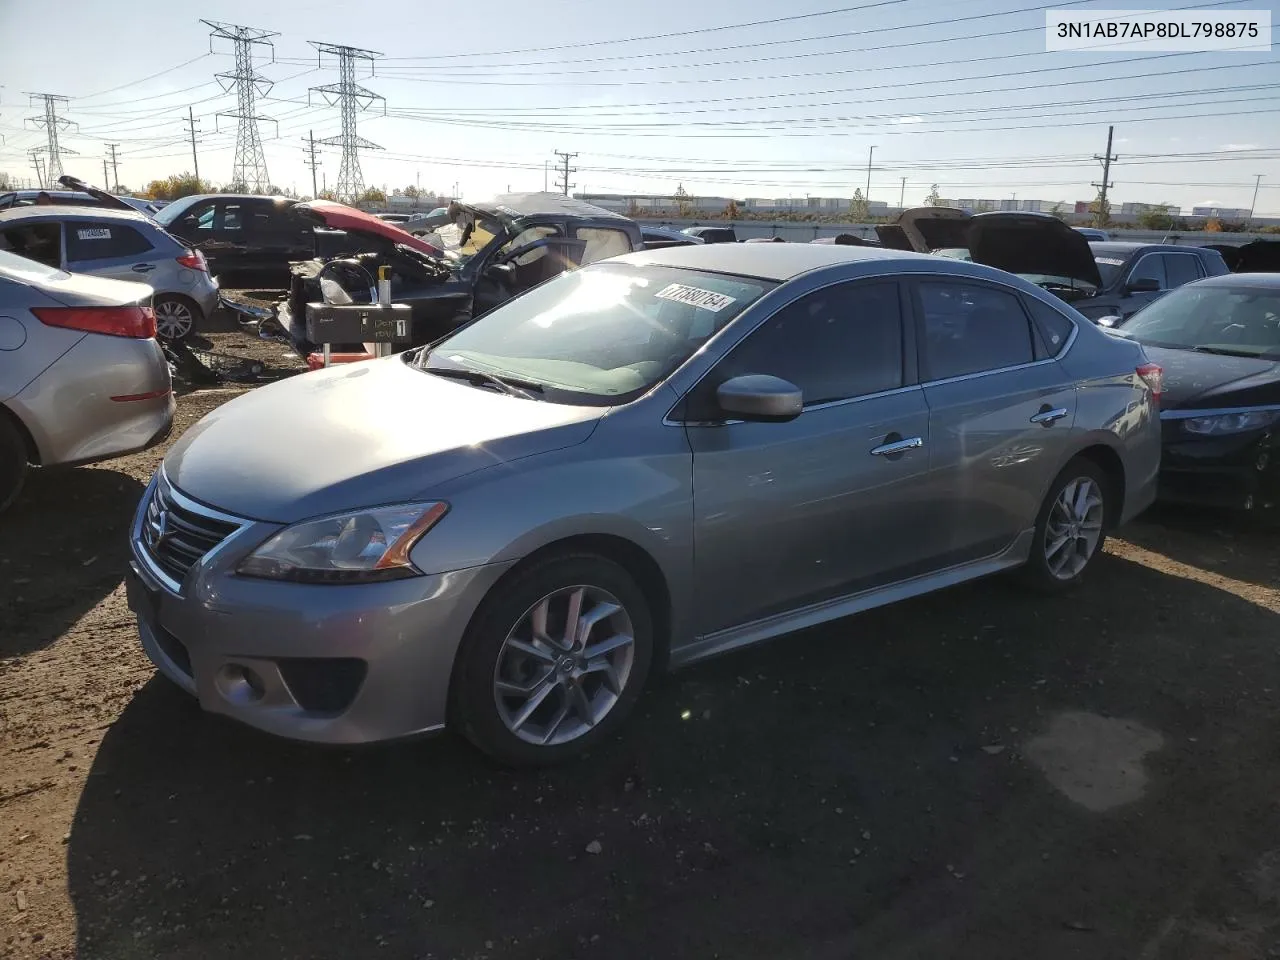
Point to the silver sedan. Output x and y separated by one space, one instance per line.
652 460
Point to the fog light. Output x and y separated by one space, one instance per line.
239 684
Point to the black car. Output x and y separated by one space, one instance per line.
1135 274
712 234
1218 341
493 251
655 238
247 239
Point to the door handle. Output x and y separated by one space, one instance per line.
1048 417
897 446
143 267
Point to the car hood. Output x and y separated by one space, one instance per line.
932 228
893 236
1031 243
357 435
339 216
1211 380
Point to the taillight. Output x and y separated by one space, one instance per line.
132 321
1152 375
194 260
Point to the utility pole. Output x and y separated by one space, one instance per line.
1100 218
115 167
564 184
1253 205
351 98
34 154
545 165
250 167
902 192
311 161
192 127
52 123
867 195
106 177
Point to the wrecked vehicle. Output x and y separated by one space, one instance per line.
492 252
1110 280
1256 256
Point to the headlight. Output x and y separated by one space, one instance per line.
1224 423
358 547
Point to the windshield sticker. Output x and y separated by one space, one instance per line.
694 297
1110 261
96 233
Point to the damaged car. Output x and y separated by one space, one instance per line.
491 252
1105 281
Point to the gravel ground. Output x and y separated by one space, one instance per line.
978 773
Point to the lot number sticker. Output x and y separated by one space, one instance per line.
96 233
694 297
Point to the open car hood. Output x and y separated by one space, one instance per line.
338 216
893 236
107 200
1257 256
1030 243
931 228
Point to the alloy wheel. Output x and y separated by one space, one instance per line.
1074 528
564 665
174 319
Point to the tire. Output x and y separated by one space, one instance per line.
13 461
494 682
176 318
1055 566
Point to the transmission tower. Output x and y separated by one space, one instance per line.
353 99
52 123
250 169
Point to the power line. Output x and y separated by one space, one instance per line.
249 170
352 98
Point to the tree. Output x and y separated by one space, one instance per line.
1101 210
683 206
1213 225
328 195
731 211
1058 212
1156 218
410 191
177 186
934 199
858 205
372 195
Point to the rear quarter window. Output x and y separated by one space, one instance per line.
1053 328
104 241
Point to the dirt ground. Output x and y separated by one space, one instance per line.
978 773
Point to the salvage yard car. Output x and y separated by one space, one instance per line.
1218 341
82 377
651 460
246 238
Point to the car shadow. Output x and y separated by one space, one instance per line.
858 790
53 571
1235 545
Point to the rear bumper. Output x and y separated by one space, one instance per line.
70 411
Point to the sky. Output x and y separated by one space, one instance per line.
734 98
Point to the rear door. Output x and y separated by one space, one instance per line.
279 236
788 514
1000 411
110 248
233 230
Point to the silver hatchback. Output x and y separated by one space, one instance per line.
121 245
652 460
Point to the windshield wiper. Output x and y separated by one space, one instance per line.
1226 352
515 388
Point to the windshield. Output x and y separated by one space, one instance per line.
1109 268
1239 320
172 211
601 335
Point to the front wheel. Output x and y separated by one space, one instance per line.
176 317
1071 527
553 661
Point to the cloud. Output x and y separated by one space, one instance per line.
909 120
1239 146
1207 203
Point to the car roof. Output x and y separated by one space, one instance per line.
55 212
775 261
541 204
1129 246
1268 281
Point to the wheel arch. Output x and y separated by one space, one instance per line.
33 450
1109 461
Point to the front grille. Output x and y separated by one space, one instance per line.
177 533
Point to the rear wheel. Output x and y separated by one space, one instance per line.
176 317
554 660
13 461
1071 527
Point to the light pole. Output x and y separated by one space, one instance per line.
1257 182
867 195
902 192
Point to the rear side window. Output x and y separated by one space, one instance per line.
1181 268
602 244
837 343
969 328
40 241
104 241
1053 328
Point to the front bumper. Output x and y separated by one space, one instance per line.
1240 472
331 664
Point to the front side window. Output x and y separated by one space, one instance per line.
523 239
837 343
1180 268
969 328
601 335
1150 267
602 243
103 241
1241 321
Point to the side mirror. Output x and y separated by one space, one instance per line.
1142 285
1109 321
758 396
